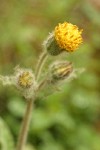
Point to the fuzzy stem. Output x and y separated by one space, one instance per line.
40 64
42 84
25 126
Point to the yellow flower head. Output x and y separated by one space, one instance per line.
68 36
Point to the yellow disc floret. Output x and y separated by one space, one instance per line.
68 36
25 79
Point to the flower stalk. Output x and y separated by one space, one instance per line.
40 64
25 125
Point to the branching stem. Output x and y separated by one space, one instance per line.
40 64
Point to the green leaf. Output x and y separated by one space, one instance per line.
6 140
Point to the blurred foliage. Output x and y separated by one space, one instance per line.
6 140
69 119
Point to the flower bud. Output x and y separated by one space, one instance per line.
25 82
26 79
61 70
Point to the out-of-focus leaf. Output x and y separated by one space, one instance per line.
16 106
6 139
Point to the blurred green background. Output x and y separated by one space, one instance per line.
69 120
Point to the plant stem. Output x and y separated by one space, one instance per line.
42 84
40 64
25 126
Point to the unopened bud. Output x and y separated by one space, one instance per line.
25 82
61 70
26 79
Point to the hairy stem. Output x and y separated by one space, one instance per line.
40 64
25 126
42 83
